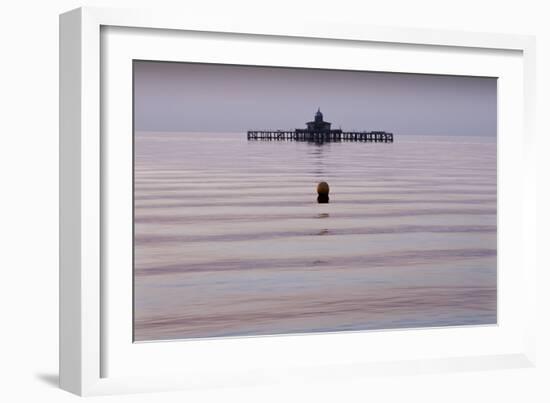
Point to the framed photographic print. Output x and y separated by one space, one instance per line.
247 203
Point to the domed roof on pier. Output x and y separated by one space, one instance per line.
319 115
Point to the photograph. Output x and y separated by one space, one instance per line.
281 200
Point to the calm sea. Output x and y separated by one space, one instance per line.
230 240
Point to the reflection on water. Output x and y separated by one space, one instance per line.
230 239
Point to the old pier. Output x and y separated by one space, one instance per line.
319 131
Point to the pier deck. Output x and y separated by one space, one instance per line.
320 137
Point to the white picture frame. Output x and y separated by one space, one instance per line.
96 356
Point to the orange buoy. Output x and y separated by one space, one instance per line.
323 190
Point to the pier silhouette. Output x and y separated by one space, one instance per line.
319 131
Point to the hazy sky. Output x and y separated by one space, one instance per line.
223 98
